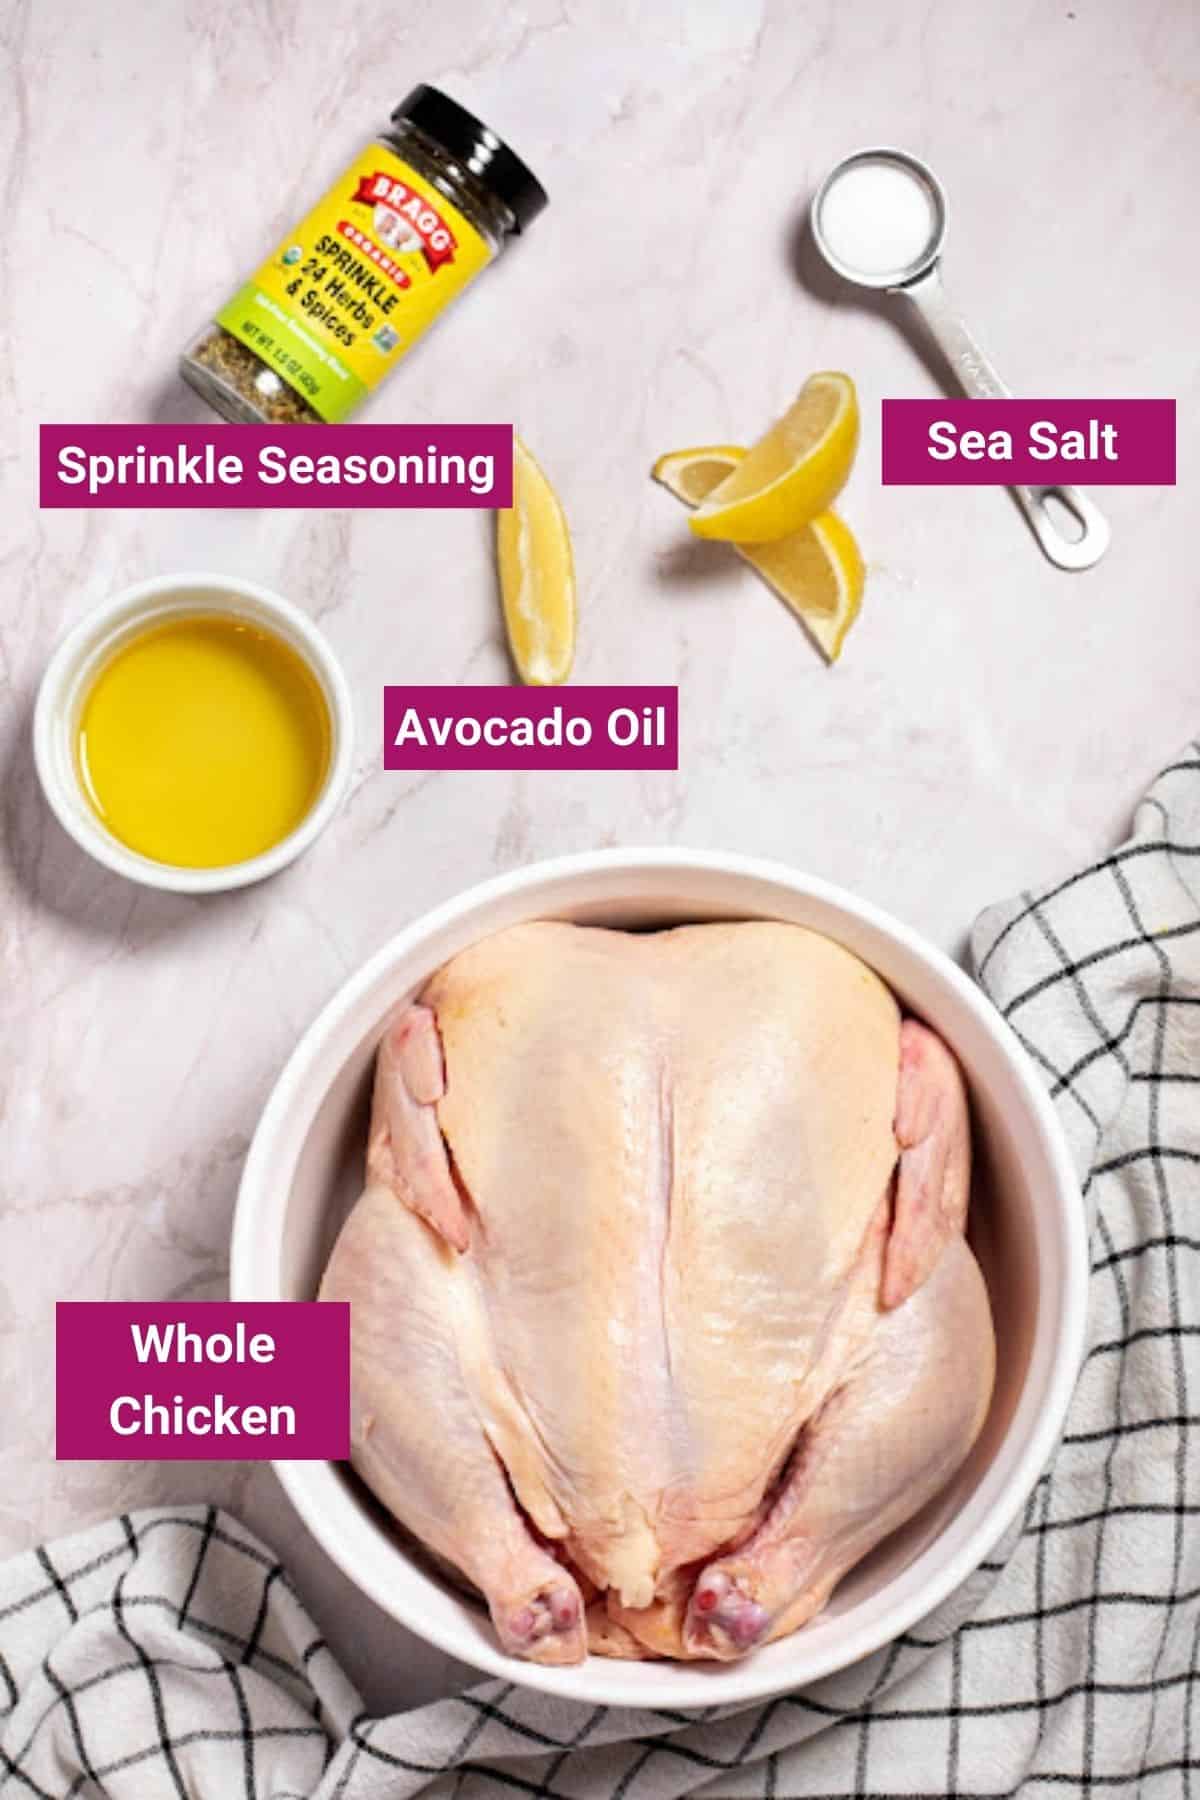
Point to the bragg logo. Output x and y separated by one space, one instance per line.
405 220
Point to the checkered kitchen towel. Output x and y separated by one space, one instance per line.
166 1654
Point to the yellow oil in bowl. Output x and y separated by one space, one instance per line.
203 741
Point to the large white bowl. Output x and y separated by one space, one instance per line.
304 1170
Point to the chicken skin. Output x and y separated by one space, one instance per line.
662 1311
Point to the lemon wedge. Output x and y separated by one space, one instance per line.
537 576
817 571
793 473
692 474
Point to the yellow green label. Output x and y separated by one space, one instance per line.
356 283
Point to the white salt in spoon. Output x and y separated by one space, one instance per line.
879 220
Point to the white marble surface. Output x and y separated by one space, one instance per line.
993 720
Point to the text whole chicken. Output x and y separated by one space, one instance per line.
662 1312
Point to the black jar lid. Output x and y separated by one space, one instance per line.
468 140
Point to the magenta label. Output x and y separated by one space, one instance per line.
101 466
530 728
972 443
210 1379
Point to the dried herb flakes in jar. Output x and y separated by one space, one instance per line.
407 226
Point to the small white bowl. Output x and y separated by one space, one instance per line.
305 1170
75 665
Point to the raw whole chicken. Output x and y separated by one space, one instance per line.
662 1311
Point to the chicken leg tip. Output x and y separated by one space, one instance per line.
547 1628
722 1620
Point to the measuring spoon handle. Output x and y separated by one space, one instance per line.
980 381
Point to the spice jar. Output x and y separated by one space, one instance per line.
413 220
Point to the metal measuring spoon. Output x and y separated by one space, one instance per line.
879 221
